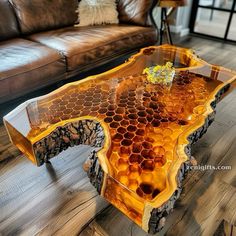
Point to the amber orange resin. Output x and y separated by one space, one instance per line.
146 126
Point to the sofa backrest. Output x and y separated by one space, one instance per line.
8 23
134 11
38 15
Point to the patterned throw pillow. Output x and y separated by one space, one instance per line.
97 12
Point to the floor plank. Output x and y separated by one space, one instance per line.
54 199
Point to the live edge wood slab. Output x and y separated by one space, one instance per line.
143 132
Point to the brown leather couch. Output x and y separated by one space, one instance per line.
39 44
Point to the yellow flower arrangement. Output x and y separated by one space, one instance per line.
160 74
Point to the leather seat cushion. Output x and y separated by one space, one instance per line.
87 45
27 65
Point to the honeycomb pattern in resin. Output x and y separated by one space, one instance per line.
144 121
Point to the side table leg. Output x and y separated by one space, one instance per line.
162 25
167 27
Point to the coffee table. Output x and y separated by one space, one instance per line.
142 132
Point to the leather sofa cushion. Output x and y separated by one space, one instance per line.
134 11
39 15
8 24
26 66
84 46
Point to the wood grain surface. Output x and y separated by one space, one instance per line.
58 199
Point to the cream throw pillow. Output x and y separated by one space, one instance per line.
97 12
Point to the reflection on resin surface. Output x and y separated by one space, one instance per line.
144 120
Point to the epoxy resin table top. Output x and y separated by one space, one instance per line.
146 126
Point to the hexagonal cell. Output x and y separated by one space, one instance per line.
124 123
132 110
84 113
126 142
159 161
68 111
146 188
124 96
164 120
135 158
120 110
123 177
102 110
121 130
129 135
167 132
93 113
133 122
96 99
125 151
131 128
104 104
114 124
156 123
150 140
131 93
130 104
146 94
142 120
133 184
149 111
110 113
140 132
117 118
131 99
149 118
122 164
133 116
138 138
146 154
111 107
108 119
140 108
148 165
117 137
135 168
123 101
93 108
153 105
137 147
159 150
147 145
142 114
71 105
167 139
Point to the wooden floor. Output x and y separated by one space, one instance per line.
59 200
